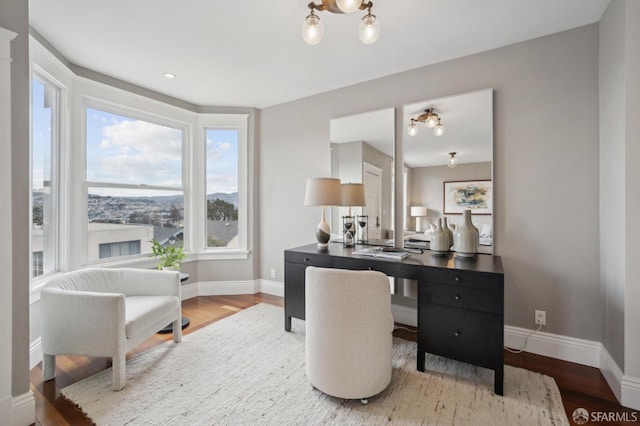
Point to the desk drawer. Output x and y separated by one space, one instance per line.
309 259
482 280
468 336
392 268
462 297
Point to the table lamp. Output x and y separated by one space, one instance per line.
322 192
419 212
352 195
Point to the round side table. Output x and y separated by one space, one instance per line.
185 321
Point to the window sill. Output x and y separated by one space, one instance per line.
220 254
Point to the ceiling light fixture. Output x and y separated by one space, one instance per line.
452 160
313 30
169 75
430 119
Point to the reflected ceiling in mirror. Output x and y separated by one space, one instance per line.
468 123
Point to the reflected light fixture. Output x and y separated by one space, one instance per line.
430 119
313 30
452 160
169 75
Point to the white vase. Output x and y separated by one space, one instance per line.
439 244
466 237
448 230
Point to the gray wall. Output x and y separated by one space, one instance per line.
14 15
619 85
545 151
612 177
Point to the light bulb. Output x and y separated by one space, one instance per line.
439 129
412 129
348 6
452 160
369 29
431 121
312 30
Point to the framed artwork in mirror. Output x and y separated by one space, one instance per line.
475 195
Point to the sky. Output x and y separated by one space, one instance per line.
124 150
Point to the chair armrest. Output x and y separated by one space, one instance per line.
82 322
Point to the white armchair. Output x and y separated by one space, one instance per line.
349 325
106 312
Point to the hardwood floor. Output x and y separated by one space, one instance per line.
580 386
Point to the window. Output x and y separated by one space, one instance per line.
222 188
44 194
134 184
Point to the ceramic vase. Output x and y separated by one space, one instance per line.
448 230
439 241
466 237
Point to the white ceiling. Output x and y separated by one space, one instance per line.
250 52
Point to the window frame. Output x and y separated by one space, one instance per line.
240 123
58 137
135 114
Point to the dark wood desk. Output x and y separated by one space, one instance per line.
460 301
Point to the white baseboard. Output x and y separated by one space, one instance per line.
24 409
405 315
188 291
275 288
585 352
631 392
35 352
221 288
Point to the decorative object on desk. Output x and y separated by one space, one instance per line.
363 229
445 227
348 228
439 241
351 195
474 195
322 192
466 238
419 212
171 254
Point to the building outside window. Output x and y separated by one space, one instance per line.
44 191
134 184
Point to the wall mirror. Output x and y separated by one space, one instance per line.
435 188
362 149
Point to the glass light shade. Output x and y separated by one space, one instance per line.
452 161
412 129
439 129
312 30
431 121
369 29
348 6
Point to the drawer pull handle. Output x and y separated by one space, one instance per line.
456 333
456 278
457 297
306 259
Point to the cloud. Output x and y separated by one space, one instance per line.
137 151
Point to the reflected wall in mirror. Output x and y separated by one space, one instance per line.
362 152
431 183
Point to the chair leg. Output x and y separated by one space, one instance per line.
119 371
177 330
48 367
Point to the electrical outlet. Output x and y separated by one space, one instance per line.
273 273
541 317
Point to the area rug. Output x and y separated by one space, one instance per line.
245 369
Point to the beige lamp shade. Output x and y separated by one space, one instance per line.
352 194
322 192
418 211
